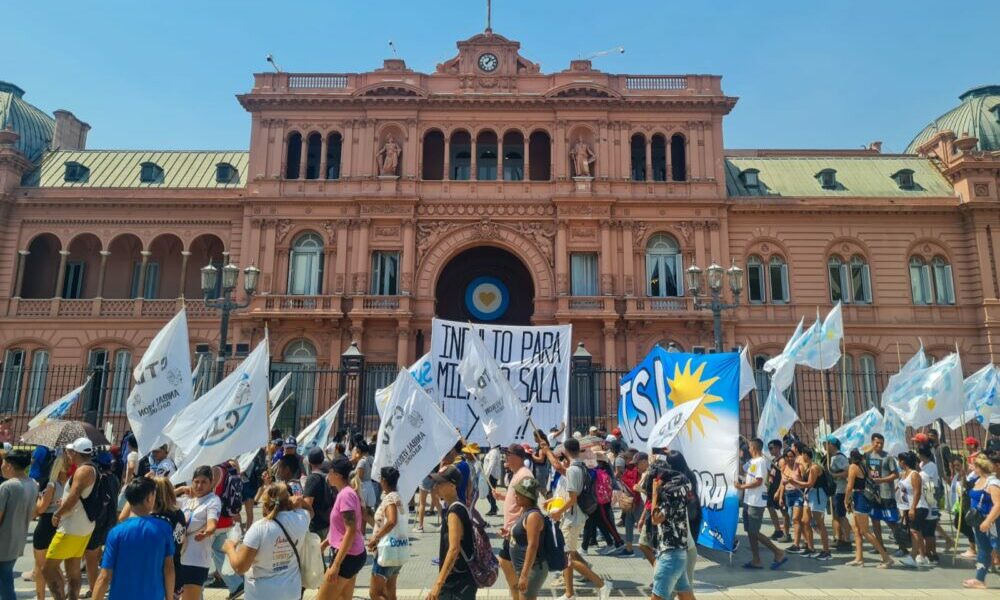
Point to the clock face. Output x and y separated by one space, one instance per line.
488 62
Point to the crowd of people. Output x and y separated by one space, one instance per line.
288 521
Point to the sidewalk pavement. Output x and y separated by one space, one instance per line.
718 576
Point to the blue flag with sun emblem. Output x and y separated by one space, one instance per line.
710 439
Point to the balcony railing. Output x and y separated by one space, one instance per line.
317 81
295 303
380 302
656 82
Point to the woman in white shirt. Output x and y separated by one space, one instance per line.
914 508
270 550
201 510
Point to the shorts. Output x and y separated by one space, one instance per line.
44 532
861 504
97 538
249 491
352 564
648 537
536 576
188 575
505 550
670 573
887 513
839 510
771 502
794 499
383 572
921 523
817 500
753 518
66 546
426 484
573 533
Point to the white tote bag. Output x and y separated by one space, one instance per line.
394 548
312 567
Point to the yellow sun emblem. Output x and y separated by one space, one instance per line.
689 387
931 403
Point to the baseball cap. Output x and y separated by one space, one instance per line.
971 441
290 442
639 457
450 474
323 468
920 438
316 456
616 431
340 465
81 445
516 450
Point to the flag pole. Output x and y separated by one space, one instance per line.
822 379
843 378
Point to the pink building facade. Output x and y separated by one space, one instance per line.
489 190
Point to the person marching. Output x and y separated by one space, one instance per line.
859 495
73 527
754 503
515 457
526 534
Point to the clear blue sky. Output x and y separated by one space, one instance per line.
832 74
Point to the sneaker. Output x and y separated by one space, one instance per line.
810 554
236 593
777 535
418 529
28 576
900 554
795 550
823 556
787 539
907 561
608 550
626 553
923 562
604 593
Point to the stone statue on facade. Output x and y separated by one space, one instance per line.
388 156
582 157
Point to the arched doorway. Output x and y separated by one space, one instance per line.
486 285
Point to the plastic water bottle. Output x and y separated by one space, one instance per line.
235 534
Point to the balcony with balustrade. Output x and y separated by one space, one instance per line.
114 308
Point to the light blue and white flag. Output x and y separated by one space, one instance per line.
782 366
226 421
317 433
918 362
747 381
895 434
929 394
857 432
980 390
821 349
58 409
777 418
422 371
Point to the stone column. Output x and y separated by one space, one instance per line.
605 263
560 154
303 156
341 274
499 158
474 162
628 261
403 344
101 275
185 255
447 158
411 151
22 257
362 260
322 157
603 151
61 277
527 156
347 150
409 258
610 362
562 275
649 158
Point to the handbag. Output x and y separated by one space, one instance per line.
394 548
311 570
626 501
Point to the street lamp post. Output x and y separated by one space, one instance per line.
225 301
714 276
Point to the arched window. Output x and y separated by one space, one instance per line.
513 156
678 157
658 157
314 148
461 156
13 376
869 384
756 286
638 157
334 146
835 270
920 281
486 159
38 380
300 352
293 156
861 281
433 156
539 156
300 360
664 268
778 275
944 287
121 376
305 265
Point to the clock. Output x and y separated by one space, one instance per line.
488 62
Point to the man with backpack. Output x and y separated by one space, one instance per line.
580 500
838 471
105 493
72 523
456 548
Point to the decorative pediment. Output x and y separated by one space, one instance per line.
582 90
488 54
393 89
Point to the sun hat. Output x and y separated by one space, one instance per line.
527 487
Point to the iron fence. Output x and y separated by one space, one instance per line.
835 396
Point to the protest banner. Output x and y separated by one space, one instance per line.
501 413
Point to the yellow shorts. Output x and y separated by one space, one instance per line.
65 546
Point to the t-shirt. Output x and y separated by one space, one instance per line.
511 511
132 461
673 501
459 575
839 464
881 465
275 571
347 501
387 501
39 469
575 478
164 468
174 518
756 468
135 551
17 503
322 494
198 512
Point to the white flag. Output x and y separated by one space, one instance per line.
777 418
929 394
422 371
822 350
502 414
918 362
162 384
58 409
671 423
857 432
413 435
747 382
227 421
782 366
981 390
318 432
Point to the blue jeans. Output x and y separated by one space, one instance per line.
670 573
218 556
630 517
985 543
7 580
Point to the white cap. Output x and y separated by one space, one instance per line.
593 429
81 446
577 435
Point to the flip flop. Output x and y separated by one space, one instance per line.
777 564
751 566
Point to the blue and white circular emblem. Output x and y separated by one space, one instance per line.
487 298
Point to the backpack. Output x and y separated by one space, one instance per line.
826 482
232 491
483 564
103 498
45 467
553 550
587 498
602 486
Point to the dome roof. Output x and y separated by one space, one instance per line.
34 126
978 115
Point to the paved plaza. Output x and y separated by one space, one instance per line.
717 576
